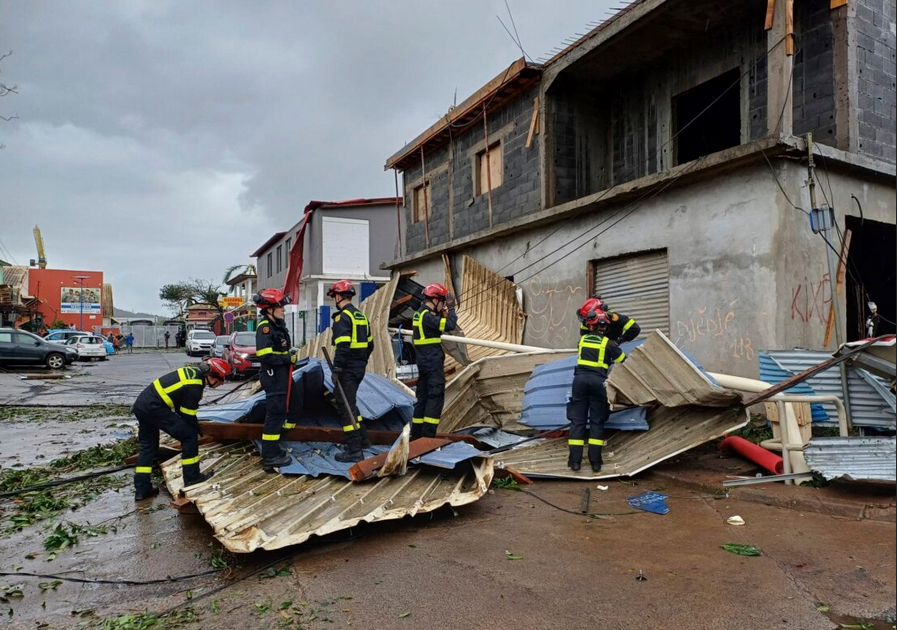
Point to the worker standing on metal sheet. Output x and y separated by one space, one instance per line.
436 316
588 404
620 329
170 404
354 343
272 347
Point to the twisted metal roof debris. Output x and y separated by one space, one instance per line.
857 458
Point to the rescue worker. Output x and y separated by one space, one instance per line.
170 404
354 344
272 347
588 404
436 316
620 329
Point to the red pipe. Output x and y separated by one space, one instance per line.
757 454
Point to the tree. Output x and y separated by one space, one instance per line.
177 297
248 269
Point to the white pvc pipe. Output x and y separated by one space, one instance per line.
498 345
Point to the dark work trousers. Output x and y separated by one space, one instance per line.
274 381
587 412
150 421
430 393
350 380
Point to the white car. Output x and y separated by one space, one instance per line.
88 347
199 342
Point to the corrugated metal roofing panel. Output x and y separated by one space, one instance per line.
249 509
637 285
673 431
772 372
868 406
858 458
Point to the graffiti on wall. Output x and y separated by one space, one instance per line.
811 300
551 307
715 326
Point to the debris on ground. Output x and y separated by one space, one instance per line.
653 502
735 520
742 550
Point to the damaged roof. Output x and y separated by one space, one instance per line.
856 458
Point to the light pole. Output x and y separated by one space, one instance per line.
81 279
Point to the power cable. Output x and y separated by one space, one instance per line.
574 512
67 480
65 578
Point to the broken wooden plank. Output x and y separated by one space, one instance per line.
402 300
365 469
789 27
244 431
533 123
839 275
184 506
834 4
519 477
770 14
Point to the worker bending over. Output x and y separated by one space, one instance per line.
588 408
436 316
354 344
170 404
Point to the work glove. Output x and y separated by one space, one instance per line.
450 301
294 356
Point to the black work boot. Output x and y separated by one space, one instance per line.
192 476
416 430
351 451
574 459
429 430
279 460
595 458
141 494
365 440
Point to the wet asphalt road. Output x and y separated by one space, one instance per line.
453 571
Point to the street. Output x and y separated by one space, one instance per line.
510 560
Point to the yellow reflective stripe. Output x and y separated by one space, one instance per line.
264 351
189 460
422 339
164 396
349 427
442 323
343 339
417 420
358 322
189 412
289 425
270 437
628 324
143 470
576 442
600 347
620 358
431 420
263 322
596 442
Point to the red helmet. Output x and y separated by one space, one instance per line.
217 367
590 313
602 304
267 298
435 290
343 287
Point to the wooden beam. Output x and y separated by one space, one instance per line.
789 27
533 123
842 271
402 300
366 468
519 477
244 431
770 14
837 3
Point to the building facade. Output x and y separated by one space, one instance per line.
661 161
68 296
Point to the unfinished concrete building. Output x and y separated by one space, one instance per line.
661 161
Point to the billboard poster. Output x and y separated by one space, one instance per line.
70 300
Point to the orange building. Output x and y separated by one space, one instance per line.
62 296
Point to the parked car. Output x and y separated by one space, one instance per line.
89 347
199 342
217 349
61 335
240 353
18 347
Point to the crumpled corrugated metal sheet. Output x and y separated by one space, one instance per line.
857 458
871 403
657 372
249 509
674 430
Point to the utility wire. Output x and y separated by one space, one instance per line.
67 480
65 578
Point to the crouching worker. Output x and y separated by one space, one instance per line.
588 408
170 404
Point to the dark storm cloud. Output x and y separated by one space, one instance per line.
161 140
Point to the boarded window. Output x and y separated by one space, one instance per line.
345 246
422 201
279 258
270 264
489 169
636 285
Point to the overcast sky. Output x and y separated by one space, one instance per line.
161 140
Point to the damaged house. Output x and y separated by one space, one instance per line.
662 161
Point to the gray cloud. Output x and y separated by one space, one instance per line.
160 140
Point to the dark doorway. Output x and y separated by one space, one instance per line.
716 129
871 261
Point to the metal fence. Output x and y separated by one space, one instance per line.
147 336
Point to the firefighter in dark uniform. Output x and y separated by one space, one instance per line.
272 347
588 404
436 316
354 344
170 404
620 328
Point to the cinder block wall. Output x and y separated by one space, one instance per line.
875 66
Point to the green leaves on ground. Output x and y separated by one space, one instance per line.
275 573
512 556
144 621
507 483
100 456
402 615
69 535
742 550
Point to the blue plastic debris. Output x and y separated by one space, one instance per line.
653 502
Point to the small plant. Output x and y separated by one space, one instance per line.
508 483
63 536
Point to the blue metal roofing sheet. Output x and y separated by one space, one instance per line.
449 455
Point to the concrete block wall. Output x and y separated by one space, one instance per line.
813 90
876 96
455 209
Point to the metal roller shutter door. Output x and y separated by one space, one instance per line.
637 285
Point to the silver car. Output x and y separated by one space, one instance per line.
218 346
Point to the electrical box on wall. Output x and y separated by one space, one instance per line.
822 219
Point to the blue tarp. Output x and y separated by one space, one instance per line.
653 502
546 393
